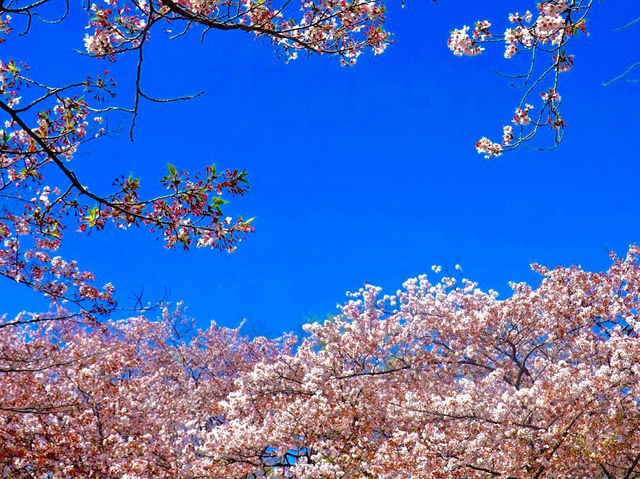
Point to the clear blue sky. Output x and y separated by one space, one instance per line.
361 174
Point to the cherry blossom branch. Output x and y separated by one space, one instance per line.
554 26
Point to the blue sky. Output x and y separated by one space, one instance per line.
360 174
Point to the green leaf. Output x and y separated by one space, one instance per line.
217 201
92 216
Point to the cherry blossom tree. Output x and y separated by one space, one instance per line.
438 380
444 380
126 399
76 388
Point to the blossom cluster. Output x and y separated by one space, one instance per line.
557 21
335 27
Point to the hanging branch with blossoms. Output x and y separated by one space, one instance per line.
44 126
544 39
190 210
37 142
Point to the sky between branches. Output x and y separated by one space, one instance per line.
359 174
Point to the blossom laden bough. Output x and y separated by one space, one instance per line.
342 28
556 23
